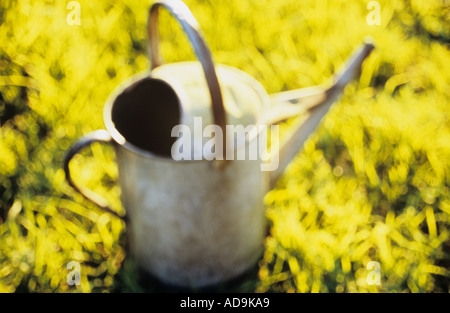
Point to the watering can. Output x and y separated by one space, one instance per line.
199 222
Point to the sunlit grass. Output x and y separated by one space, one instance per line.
372 184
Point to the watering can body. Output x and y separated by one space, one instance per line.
195 223
190 224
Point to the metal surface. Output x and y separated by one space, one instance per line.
188 223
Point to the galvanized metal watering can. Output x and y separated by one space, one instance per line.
195 223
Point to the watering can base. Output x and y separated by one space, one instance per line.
152 282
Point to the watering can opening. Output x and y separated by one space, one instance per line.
145 113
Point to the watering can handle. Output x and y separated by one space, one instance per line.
192 29
101 136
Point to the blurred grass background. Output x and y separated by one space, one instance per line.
372 184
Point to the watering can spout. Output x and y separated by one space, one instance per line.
314 102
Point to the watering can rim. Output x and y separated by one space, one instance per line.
119 139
